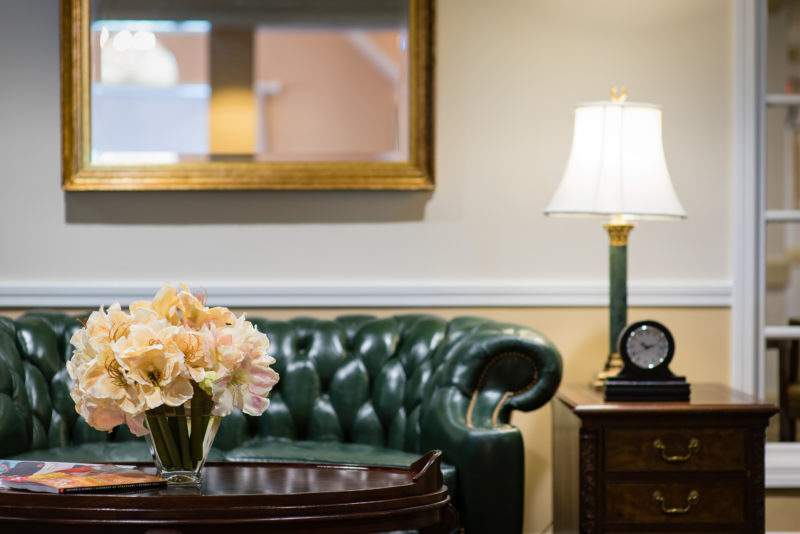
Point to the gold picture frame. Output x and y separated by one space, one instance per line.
79 173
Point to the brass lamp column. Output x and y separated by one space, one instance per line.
616 169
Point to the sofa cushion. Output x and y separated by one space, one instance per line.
272 449
102 452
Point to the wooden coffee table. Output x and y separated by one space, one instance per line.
253 497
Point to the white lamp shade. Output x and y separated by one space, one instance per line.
616 165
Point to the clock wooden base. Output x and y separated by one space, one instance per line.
674 389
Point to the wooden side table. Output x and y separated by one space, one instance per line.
659 466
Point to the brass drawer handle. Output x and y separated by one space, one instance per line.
694 446
694 498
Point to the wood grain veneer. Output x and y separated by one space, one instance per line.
608 467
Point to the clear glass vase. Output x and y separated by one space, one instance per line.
180 438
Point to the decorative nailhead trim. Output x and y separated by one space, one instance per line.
508 394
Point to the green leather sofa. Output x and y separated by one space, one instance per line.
358 389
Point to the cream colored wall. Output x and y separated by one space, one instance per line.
508 74
782 510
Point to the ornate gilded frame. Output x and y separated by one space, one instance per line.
79 174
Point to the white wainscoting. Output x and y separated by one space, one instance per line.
782 466
378 294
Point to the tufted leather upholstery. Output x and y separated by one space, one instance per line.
357 389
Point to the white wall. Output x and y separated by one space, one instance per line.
508 74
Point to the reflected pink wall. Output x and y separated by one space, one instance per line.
333 98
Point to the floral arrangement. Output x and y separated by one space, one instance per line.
170 352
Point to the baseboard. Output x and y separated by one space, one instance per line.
387 294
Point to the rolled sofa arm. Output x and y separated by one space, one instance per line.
480 380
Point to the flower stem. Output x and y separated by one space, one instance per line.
158 439
179 432
169 439
198 429
183 437
202 404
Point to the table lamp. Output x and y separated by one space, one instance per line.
616 170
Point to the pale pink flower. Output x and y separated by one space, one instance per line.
246 383
104 414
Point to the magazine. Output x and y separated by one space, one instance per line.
9 468
55 477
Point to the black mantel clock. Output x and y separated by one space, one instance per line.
646 349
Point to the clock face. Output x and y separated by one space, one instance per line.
647 346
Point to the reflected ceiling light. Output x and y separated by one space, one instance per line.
144 40
104 33
123 41
143 157
157 26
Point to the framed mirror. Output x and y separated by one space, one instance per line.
252 94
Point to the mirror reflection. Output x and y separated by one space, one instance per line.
268 81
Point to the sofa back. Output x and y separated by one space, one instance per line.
36 410
357 378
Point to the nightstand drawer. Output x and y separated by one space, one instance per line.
675 449
675 502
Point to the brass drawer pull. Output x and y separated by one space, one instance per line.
694 498
694 446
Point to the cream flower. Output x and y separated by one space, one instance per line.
103 378
83 356
126 363
198 360
195 313
105 327
163 306
150 358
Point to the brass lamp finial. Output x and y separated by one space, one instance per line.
619 94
